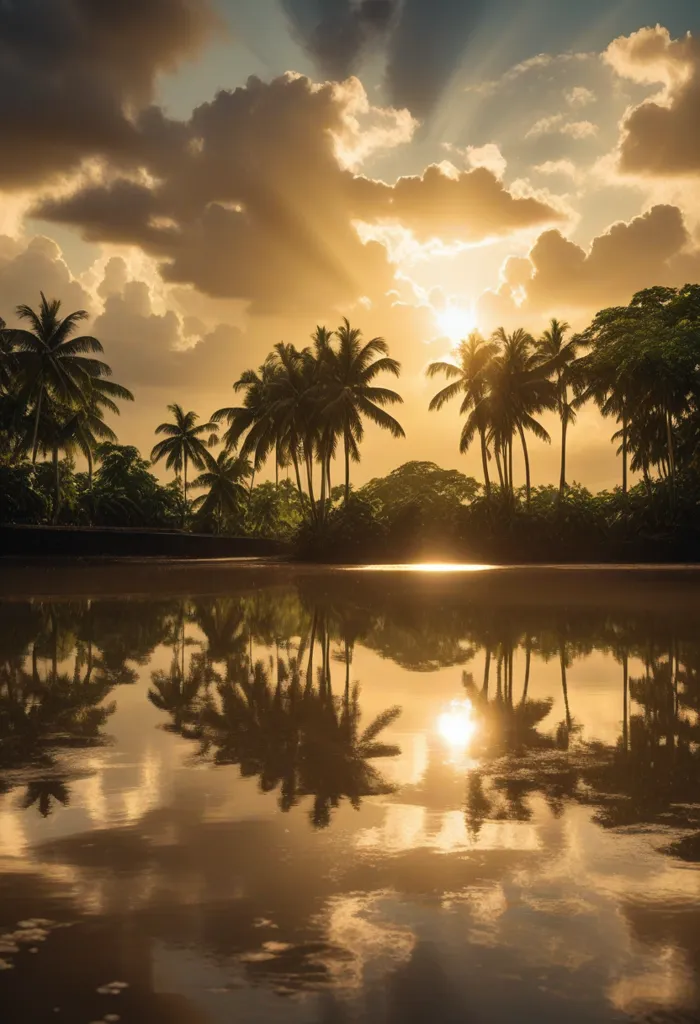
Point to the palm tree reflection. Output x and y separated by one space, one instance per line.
282 722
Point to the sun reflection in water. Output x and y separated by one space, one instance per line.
457 726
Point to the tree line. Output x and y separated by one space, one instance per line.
305 411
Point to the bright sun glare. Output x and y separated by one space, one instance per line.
457 726
456 323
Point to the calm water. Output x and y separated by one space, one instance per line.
268 794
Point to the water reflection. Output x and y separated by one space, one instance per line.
503 800
457 726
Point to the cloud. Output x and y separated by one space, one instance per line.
536 64
336 32
565 168
468 206
660 136
624 259
39 264
367 129
560 278
165 350
580 96
423 41
256 206
76 75
488 156
557 124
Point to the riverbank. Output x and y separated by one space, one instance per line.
37 542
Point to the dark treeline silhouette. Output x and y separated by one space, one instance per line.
305 411
264 680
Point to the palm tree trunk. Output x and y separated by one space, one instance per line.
487 673
347 673
347 467
669 445
624 453
252 485
310 663
528 657
310 481
526 457
510 469
57 483
564 684
54 646
295 460
499 467
184 489
564 428
88 455
485 464
277 465
330 488
35 435
625 706
324 483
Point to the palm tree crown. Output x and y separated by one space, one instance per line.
223 478
184 443
348 393
468 378
52 364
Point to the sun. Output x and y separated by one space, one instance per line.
457 726
455 322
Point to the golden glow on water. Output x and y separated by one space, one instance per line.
426 567
457 727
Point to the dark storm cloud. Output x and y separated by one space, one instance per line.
426 49
335 32
258 208
425 41
73 72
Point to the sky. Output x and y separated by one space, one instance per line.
210 177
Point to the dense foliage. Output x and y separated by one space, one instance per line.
306 411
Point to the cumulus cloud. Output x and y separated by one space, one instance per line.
557 124
76 76
469 206
257 206
39 264
423 41
654 248
660 135
147 348
579 96
488 156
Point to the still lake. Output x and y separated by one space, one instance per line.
275 793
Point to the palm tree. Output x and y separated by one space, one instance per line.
51 363
253 419
468 379
223 478
518 388
88 426
183 444
294 407
348 393
553 345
